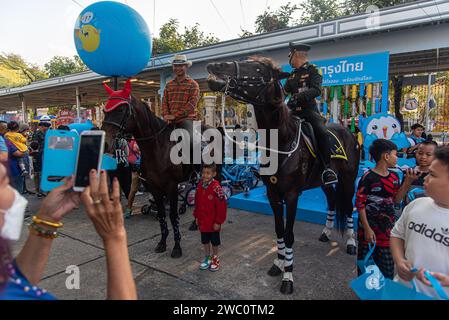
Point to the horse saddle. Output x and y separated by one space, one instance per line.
337 150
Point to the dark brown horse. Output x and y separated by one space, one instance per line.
132 117
257 81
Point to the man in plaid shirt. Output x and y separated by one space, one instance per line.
181 95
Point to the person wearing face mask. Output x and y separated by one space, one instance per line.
19 277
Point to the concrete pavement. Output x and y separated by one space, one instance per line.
247 252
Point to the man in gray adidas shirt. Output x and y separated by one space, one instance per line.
420 238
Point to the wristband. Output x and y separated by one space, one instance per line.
41 232
38 220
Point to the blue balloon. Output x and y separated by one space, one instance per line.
113 39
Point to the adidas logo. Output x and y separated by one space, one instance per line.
429 233
445 231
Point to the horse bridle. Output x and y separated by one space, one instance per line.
121 134
241 82
250 82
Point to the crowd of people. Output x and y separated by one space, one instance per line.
17 144
417 240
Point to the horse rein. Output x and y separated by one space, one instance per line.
250 83
122 125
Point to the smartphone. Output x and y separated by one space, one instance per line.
90 154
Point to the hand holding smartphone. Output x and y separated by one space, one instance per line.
90 154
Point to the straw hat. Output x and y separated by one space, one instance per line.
181 59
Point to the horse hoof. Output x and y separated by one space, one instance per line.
193 226
287 287
161 247
176 252
274 271
323 238
351 250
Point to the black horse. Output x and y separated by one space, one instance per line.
132 117
257 81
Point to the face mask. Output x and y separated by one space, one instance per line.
14 218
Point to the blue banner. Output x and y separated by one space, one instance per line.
367 68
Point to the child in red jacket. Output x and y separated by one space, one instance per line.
210 214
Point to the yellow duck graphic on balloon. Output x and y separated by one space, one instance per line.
89 36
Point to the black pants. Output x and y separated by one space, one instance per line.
124 176
211 237
319 128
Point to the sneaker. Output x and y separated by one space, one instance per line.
329 177
215 265
128 213
206 263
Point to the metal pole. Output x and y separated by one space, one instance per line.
429 89
115 83
24 110
78 103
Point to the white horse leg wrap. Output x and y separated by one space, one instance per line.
279 263
288 257
330 220
288 276
350 230
281 247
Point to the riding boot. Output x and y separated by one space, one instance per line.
328 177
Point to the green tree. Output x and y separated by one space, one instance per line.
275 20
15 71
351 7
320 10
245 33
193 37
171 39
60 66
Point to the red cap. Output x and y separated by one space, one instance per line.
116 97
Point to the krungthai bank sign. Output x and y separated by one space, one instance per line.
355 69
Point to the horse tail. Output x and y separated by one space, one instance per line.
345 190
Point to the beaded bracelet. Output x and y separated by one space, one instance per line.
38 220
41 232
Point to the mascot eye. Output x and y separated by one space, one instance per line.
394 126
375 127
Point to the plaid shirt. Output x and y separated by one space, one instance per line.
180 99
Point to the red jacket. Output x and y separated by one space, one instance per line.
210 206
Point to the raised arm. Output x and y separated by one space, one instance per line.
107 217
33 257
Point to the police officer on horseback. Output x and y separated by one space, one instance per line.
304 85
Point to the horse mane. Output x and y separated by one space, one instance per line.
266 61
154 121
287 126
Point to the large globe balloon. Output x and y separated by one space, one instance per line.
113 39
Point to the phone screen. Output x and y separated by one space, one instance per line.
89 156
